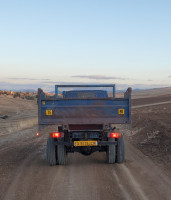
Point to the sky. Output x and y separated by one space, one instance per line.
126 42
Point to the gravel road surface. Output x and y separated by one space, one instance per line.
26 175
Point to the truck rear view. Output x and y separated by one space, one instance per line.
84 121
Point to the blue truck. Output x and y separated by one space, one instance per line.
84 121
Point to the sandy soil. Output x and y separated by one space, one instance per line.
21 114
151 93
26 175
149 100
152 132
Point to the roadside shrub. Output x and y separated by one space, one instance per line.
29 97
17 94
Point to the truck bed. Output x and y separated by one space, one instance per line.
84 111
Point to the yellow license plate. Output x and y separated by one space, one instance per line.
85 143
121 111
48 112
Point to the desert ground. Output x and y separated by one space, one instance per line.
21 114
146 173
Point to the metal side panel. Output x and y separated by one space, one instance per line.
84 111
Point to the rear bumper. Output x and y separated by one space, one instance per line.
100 143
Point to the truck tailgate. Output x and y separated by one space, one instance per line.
84 111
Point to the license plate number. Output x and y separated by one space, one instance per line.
85 143
48 112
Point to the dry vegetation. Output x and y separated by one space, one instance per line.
23 95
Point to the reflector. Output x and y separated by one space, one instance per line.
55 135
115 135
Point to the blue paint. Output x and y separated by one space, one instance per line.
74 110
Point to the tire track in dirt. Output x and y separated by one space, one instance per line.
82 178
133 183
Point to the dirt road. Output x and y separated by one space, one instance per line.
151 104
25 174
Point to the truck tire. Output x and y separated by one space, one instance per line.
120 150
111 152
61 152
51 153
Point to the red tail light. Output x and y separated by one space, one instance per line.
115 135
55 135
37 134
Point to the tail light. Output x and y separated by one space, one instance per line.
115 135
37 134
55 135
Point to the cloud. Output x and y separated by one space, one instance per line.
149 80
99 77
18 78
50 82
18 86
169 76
30 79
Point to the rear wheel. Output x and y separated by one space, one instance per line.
120 150
51 153
110 154
61 152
